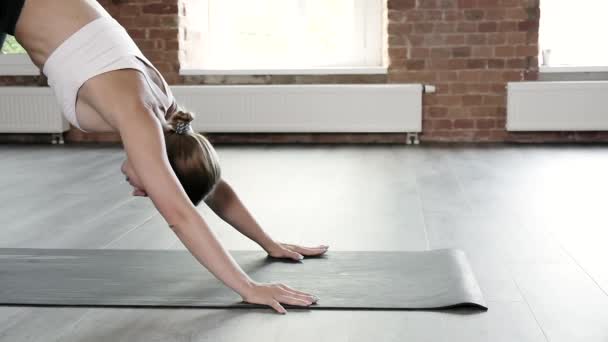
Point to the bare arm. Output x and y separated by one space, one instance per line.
227 205
143 140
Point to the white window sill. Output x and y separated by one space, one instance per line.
311 71
550 69
17 65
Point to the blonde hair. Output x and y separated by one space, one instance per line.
192 158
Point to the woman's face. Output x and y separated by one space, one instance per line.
131 177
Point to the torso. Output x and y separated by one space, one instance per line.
43 25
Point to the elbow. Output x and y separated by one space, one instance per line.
178 223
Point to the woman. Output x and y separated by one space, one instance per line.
104 83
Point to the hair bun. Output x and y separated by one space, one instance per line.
181 116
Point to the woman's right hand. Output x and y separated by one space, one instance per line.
273 294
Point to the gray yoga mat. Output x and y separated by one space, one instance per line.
350 280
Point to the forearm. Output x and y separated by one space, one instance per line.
205 247
236 214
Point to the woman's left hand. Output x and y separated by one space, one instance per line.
288 251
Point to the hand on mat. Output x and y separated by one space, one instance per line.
273 294
285 250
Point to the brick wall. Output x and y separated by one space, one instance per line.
468 49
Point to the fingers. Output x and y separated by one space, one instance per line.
278 307
310 250
287 299
299 294
306 250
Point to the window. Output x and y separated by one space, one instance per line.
286 34
573 33
14 60
11 46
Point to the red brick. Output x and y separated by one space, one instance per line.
165 33
419 52
395 41
448 27
476 39
440 52
466 27
490 26
467 3
146 44
427 125
489 3
473 14
400 28
458 88
459 112
497 38
434 40
433 15
447 76
427 3
415 39
485 111
450 15
470 75
401 4
461 51
516 38
169 21
439 63
482 51
136 33
471 100
495 63
159 8
507 26
455 39
528 25
523 50
436 112
489 100
395 16
505 51
414 15
457 63
477 88
415 64
516 63
172 44
477 63
517 14
146 21
423 27
464 123
130 10
442 124
495 14
448 100
485 123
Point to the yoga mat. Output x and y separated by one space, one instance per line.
346 280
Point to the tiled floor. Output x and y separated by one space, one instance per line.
532 220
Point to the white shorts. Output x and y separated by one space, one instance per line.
100 46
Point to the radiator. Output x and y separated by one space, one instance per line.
557 106
304 108
30 110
